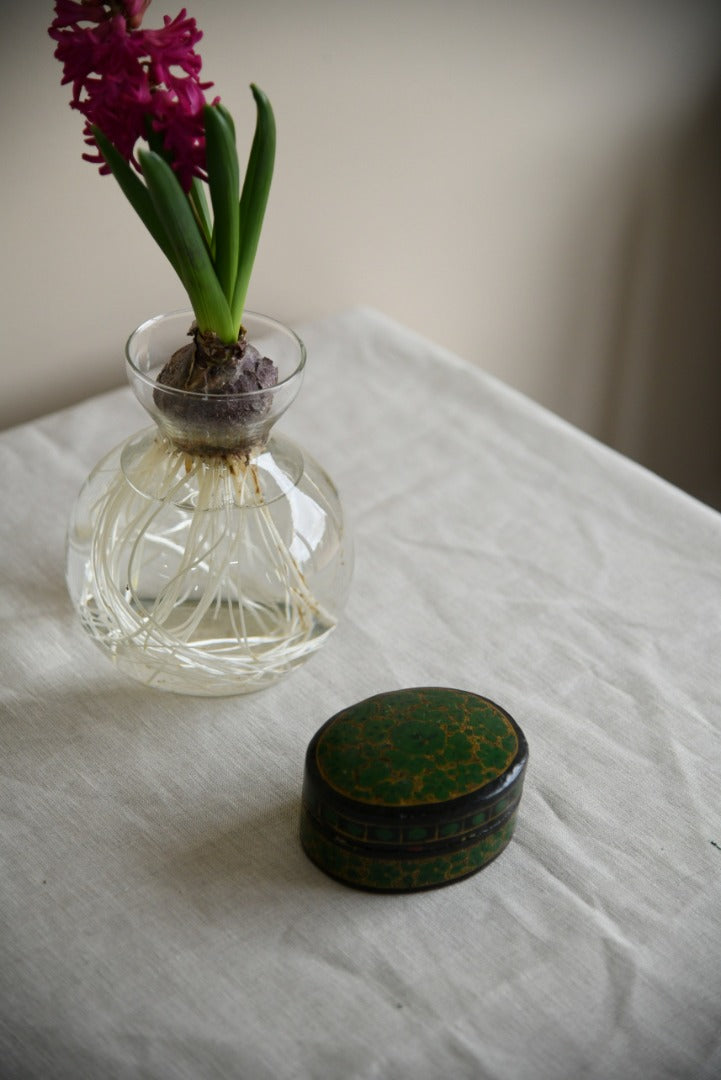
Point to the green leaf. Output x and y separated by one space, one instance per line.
136 192
223 180
254 198
199 204
192 260
196 195
226 116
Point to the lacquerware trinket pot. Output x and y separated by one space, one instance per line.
412 789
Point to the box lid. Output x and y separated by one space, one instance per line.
412 788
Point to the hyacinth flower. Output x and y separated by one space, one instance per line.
205 555
147 121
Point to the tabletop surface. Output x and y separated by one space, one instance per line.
158 917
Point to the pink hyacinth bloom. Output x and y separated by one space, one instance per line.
126 80
172 46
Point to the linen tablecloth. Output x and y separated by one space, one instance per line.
158 917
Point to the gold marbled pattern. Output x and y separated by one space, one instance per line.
415 747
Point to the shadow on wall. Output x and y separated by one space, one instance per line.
662 403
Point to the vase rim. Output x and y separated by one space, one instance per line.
268 320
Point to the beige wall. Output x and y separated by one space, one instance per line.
533 184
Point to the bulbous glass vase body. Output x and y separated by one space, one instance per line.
208 554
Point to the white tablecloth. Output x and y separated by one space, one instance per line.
158 917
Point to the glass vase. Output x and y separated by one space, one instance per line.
208 554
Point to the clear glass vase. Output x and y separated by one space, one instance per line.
208 554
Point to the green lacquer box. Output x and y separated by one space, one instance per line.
412 789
